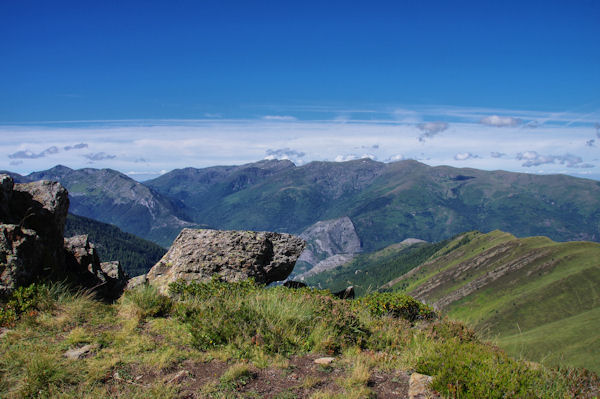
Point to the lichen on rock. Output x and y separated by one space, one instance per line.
200 254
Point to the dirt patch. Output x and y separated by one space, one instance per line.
300 379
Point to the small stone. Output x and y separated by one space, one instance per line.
324 360
78 353
418 386
179 377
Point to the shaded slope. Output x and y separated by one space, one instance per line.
136 255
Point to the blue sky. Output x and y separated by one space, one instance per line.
149 86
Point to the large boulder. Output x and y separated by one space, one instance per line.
198 255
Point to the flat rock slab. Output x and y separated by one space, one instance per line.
200 254
324 360
79 353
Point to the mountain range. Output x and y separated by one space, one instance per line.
386 202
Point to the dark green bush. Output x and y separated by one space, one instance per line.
396 305
469 370
23 300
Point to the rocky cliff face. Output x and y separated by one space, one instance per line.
197 255
32 247
330 243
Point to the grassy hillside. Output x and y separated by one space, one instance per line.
367 272
220 340
136 255
536 297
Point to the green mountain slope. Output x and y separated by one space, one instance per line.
367 272
535 296
387 202
136 255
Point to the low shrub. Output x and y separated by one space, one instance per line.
278 320
24 300
468 370
396 305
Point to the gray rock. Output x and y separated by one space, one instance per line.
136 282
80 353
324 360
113 270
33 218
21 256
6 192
197 255
32 247
418 387
330 243
83 260
81 256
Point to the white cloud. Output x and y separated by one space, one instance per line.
463 156
532 158
99 156
284 153
430 129
26 154
395 158
279 118
75 147
500 121
346 157
157 145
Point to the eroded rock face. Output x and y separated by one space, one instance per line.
330 243
32 247
32 218
197 255
21 253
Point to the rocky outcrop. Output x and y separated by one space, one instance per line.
330 243
84 263
21 254
197 255
32 247
32 217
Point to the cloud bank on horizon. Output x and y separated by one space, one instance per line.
522 141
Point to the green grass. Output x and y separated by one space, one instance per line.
576 336
251 327
555 283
